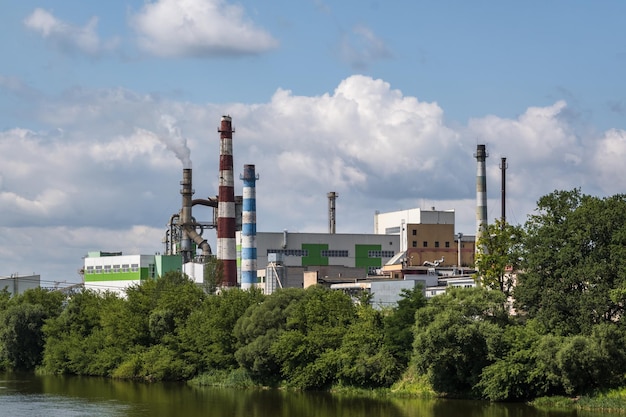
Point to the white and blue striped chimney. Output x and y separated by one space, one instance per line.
248 229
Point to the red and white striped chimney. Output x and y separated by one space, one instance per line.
226 246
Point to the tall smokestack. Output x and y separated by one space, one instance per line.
481 192
185 216
248 228
503 167
332 196
226 247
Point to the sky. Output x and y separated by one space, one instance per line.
381 102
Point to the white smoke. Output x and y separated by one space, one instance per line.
174 141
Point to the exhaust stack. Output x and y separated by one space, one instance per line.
187 223
226 246
481 193
248 228
332 197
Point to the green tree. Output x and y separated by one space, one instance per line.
258 328
21 338
208 335
575 262
314 330
501 253
364 358
456 336
399 323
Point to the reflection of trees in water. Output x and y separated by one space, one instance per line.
179 399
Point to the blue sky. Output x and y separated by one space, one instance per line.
383 102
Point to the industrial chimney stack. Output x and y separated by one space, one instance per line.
332 196
248 228
481 192
226 248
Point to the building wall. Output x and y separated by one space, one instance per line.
16 284
366 251
118 272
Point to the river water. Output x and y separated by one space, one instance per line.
55 396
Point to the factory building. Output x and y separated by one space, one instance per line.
329 256
16 284
114 271
427 239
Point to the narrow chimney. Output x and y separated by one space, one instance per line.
481 192
248 228
332 197
226 247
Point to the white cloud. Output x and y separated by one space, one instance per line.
198 28
104 175
67 37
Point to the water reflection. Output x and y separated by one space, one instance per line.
52 396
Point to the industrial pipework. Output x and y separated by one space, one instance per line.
226 246
481 193
248 228
187 223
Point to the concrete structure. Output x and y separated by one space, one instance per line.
248 229
427 238
226 247
16 284
113 271
481 191
344 256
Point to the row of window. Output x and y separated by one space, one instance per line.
425 244
333 253
105 269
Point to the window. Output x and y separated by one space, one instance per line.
107 269
290 252
98 269
125 268
334 253
414 232
414 243
425 244
134 267
116 268
447 244
436 244
380 254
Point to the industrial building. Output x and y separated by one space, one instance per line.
16 284
114 271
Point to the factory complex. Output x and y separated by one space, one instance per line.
407 247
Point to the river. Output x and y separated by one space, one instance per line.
56 396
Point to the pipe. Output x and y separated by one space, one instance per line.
248 228
226 246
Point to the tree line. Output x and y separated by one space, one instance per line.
553 328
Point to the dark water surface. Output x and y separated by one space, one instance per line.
52 396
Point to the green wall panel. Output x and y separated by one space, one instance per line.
315 254
362 260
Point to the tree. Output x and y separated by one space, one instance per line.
258 328
456 336
501 253
575 260
399 324
21 338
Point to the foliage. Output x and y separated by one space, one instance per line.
21 339
398 325
456 336
501 252
213 274
575 260
208 337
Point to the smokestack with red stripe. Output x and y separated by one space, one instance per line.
226 247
